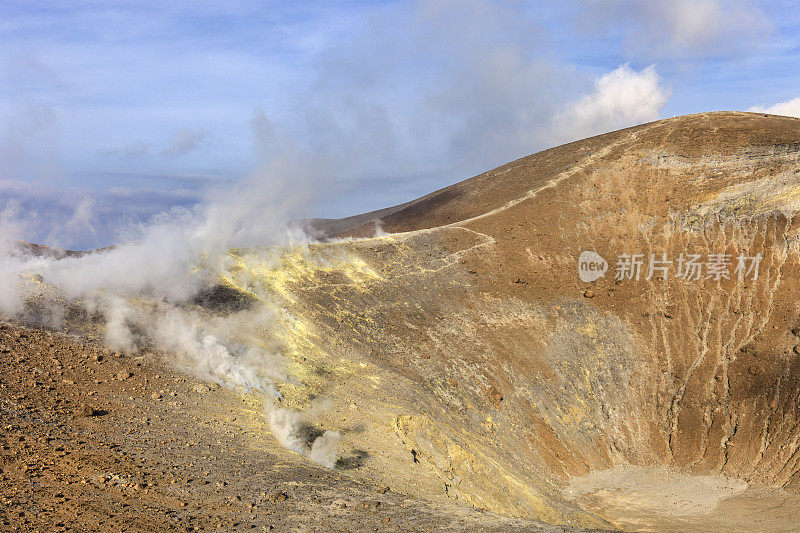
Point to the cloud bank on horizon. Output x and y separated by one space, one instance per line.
790 108
113 114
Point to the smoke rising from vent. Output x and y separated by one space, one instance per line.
145 291
288 428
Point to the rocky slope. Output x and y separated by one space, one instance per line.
478 367
464 360
93 440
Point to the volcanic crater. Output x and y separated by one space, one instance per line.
453 345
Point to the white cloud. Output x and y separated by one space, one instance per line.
789 108
621 98
11 225
681 28
705 25
135 149
82 221
185 141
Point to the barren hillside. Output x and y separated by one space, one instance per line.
465 362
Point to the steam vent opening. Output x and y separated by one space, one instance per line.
604 335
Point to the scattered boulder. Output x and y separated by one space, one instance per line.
495 396
86 410
279 496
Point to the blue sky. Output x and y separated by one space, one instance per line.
115 111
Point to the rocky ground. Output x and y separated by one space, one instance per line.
95 441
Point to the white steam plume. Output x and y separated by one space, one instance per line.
141 288
287 428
